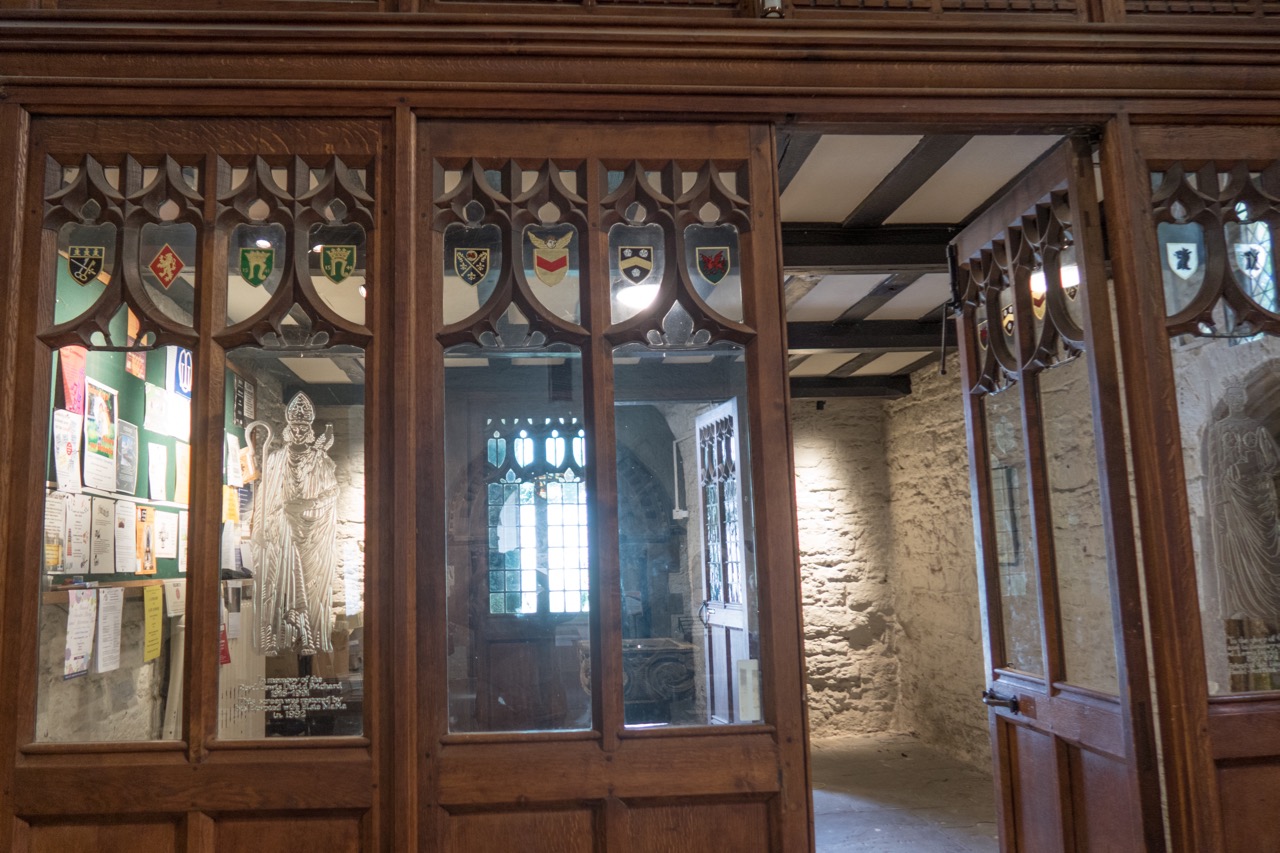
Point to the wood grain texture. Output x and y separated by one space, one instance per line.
740 827
295 832
1250 805
552 831
1103 804
105 837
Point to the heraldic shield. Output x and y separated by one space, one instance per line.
551 268
712 260
256 264
89 249
1249 253
472 263
636 260
1181 263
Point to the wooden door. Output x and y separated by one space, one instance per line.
725 606
1199 324
1067 680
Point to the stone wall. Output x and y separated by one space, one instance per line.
893 639
933 569
842 500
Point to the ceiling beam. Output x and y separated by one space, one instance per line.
930 154
828 247
796 287
879 295
864 336
795 147
855 386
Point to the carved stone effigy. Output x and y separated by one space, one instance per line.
293 533
1241 463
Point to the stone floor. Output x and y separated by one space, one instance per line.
890 793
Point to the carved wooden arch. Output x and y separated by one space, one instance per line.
674 210
90 199
336 194
1209 196
513 209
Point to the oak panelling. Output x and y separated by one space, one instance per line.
552 831
278 779
1037 809
1081 717
737 827
1102 803
1191 144
562 770
1248 729
104 837
295 832
1250 806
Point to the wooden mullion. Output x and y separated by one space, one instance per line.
1168 553
201 669
1117 514
17 594
429 534
395 339
984 532
781 624
602 477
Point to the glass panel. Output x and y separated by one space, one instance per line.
1079 537
691 637
1019 584
1181 263
291 553
714 265
255 267
167 264
472 264
636 263
1249 256
518 566
551 269
1229 407
86 257
111 625
337 261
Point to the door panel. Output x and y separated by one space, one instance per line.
740 827
1052 514
103 838
551 831
295 833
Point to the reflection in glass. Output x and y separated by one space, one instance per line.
691 641
551 269
1079 537
292 545
1229 408
714 266
167 265
518 571
472 264
1250 259
1019 584
114 540
637 261
255 266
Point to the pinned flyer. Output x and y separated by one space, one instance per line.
153 622
110 612
82 619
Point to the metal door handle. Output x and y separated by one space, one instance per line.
994 700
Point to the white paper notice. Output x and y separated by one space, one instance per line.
102 548
230 539
166 535
126 537
235 477
110 610
182 541
82 618
99 436
158 471
75 559
179 417
66 449
175 597
156 414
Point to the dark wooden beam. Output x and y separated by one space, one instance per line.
866 336
929 155
856 386
879 295
797 287
794 148
827 247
